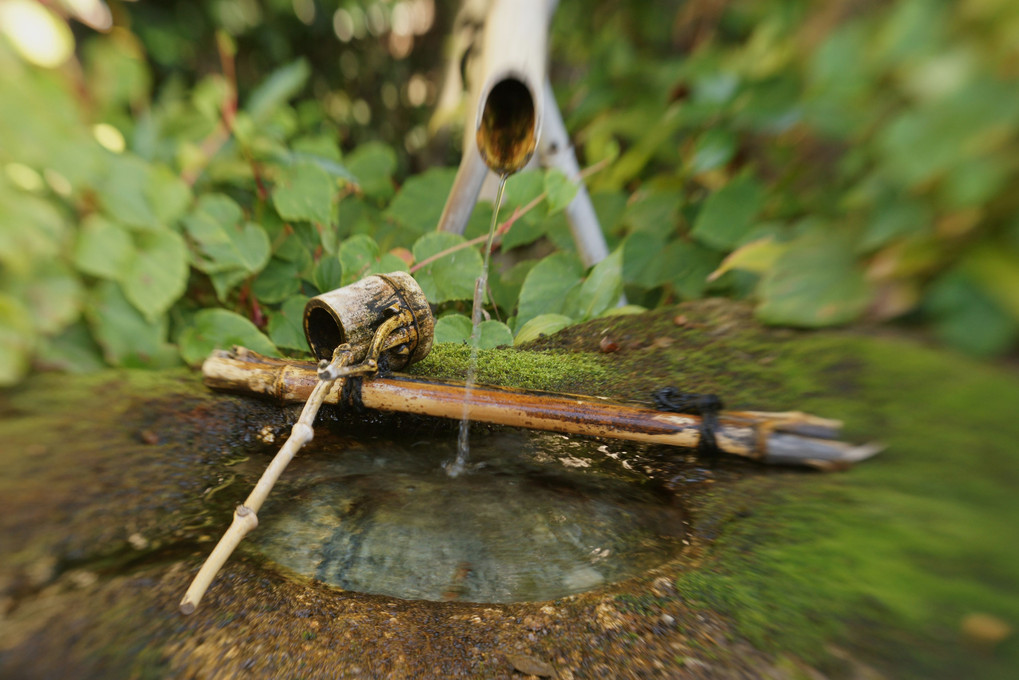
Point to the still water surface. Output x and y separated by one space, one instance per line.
534 517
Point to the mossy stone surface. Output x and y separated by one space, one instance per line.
116 484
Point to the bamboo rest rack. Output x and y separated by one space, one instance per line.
775 438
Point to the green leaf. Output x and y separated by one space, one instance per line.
997 272
713 149
208 95
126 337
527 229
353 216
688 265
967 318
480 221
643 264
521 189
17 339
226 281
912 28
73 350
560 190
925 142
167 194
280 280
455 328
505 286
450 277
757 256
30 228
54 295
124 193
227 251
816 282
896 219
333 167
655 212
494 334
220 209
546 286
602 288
319 146
357 255
975 182
328 273
625 310
770 106
652 141
304 191
298 248
283 84
373 164
250 246
388 263
103 249
116 71
543 324
220 329
728 214
158 273
286 325
419 204
610 207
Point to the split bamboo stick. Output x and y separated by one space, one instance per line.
245 518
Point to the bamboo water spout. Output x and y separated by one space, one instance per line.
510 101
506 101
512 115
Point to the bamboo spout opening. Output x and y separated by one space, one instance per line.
323 331
507 131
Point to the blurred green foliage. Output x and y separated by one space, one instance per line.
190 177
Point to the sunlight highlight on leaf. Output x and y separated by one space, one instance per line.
109 137
37 34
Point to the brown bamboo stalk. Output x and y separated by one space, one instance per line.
788 437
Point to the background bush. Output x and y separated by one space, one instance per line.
190 176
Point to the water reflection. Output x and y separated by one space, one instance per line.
535 518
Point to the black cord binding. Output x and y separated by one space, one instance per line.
707 406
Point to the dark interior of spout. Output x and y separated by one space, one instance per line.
507 131
324 333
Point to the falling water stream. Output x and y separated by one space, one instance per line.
459 465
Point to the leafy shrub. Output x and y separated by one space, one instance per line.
161 194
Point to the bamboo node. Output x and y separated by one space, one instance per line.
303 432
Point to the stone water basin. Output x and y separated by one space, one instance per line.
536 517
369 560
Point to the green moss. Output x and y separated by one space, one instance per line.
545 370
890 557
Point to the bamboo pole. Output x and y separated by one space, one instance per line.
245 518
785 438
555 150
